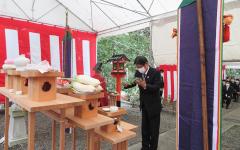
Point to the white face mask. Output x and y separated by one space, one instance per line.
141 70
237 82
227 84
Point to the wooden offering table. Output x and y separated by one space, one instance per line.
87 118
119 140
61 102
110 133
115 115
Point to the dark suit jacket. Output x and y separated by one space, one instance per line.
228 93
149 97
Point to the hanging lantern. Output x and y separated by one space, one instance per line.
174 33
118 64
118 72
226 31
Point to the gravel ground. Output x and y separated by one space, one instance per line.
231 138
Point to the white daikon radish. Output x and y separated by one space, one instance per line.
87 80
8 66
81 88
99 88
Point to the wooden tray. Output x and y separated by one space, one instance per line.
120 112
61 101
87 96
33 73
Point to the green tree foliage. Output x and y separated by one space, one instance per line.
131 44
234 73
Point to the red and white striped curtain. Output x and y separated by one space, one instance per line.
170 82
43 42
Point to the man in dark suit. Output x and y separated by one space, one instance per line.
234 86
162 83
149 82
237 89
228 93
223 92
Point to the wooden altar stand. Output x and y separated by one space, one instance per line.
85 117
41 97
119 140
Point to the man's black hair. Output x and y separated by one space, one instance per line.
140 60
161 70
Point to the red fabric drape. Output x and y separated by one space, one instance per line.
226 33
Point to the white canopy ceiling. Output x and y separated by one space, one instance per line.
101 16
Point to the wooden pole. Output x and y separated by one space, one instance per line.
203 75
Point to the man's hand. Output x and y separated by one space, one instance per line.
125 85
142 83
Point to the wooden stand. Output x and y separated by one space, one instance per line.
41 87
61 102
19 83
118 140
117 115
90 108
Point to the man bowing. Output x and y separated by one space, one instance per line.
149 82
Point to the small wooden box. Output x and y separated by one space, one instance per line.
41 86
8 79
90 108
109 128
19 83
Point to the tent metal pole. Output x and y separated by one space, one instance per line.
91 12
150 6
76 16
106 14
33 9
202 51
115 5
21 9
47 12
144 8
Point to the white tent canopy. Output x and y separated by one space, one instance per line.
100 16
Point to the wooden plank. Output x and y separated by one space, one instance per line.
13 72
62 130
7 117
93 142
35 73
89 123
120 112
61 101
116 137
128 126
53 135
31 130
87 96
63 90
203 75
55 116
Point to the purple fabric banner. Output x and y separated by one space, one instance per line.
189 75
